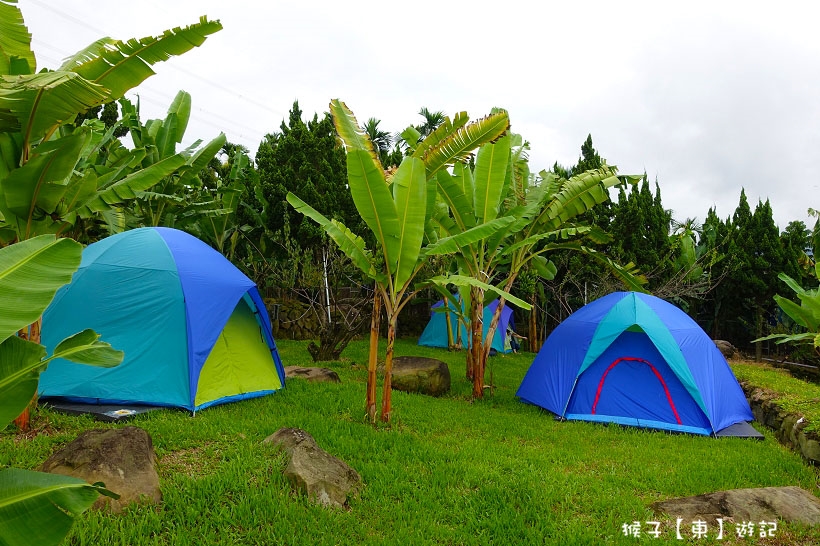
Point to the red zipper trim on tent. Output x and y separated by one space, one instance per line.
654 370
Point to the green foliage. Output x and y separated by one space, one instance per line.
47 182
397 215
805 314
32 272
305 158
640 229
46 177
755 257
178 197
50 501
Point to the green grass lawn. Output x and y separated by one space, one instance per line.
793 395
445 471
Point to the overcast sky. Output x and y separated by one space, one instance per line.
705 97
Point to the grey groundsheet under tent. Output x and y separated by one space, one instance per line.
739 430
101 412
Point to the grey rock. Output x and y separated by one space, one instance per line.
727 349
758 504
418 374
123 459
312 373
311 470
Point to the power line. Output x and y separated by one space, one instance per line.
172 67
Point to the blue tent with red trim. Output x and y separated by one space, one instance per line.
634 359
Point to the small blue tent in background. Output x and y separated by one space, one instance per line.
634 359
194 328
435 333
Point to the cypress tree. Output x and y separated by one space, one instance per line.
305 158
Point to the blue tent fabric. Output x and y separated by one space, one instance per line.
163 297
637 360
435 333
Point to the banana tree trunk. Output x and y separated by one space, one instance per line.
388 369
488 341
372 361
449 321
477 329
31 333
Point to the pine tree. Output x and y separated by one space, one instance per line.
640 227
756 256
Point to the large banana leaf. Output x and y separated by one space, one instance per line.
351 244
490 178
545 268
375 204
15 40
453 195
799 314
42 182
348 129
555 235
181 106
30 274
463 239
577 195
128 187
22 362
166 135
119 66
40 102
39 508
200 160
805 338
462 280
629 274
463 177
410 195
441 132
457 145
86 348
807 314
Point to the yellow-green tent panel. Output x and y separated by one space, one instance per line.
240 363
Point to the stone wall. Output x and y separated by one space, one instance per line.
789 428
292 319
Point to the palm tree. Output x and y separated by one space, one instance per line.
431 121
381 140
410 137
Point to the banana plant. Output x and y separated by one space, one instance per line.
529 219
40 187
176 199
805 314
36 507
397 213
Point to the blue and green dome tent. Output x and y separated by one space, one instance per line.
435 333
194 328
634 359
